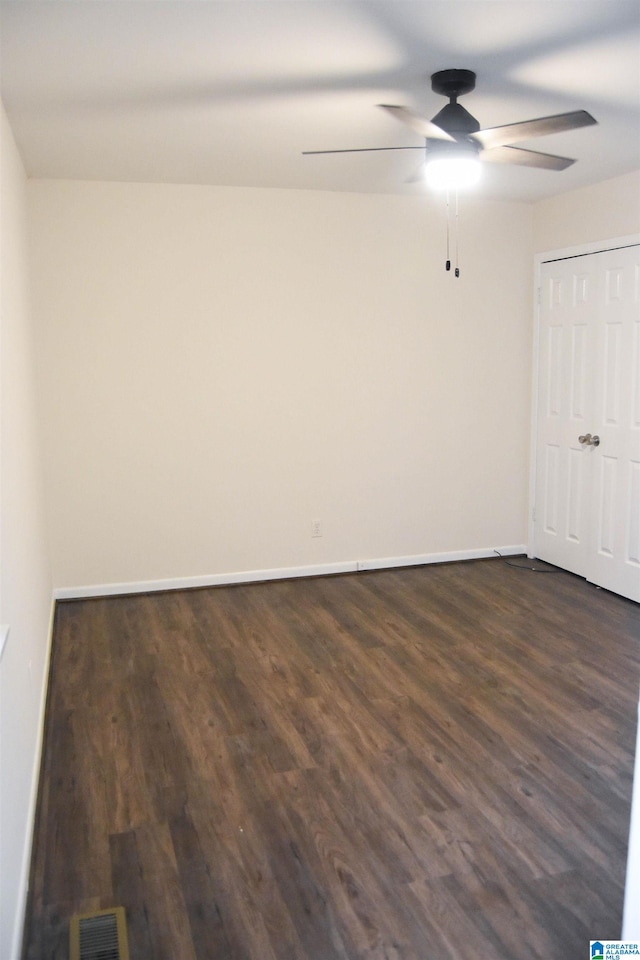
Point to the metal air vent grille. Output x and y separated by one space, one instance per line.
99 936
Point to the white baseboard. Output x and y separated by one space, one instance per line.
448 557
279 573
21 906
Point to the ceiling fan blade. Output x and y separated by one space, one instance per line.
417 123
526 158
308 153
513 132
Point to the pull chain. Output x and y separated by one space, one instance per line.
448 263
455 233
457 270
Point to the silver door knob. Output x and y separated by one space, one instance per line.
588 440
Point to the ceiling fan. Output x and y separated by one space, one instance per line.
455 135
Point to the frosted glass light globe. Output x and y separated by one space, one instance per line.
452 173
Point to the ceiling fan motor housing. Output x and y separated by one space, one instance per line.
454 119
449 150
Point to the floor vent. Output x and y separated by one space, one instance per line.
99 936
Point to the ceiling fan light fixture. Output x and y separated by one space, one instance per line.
452 173
452 166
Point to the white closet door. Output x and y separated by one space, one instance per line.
568 317
587 517
614 560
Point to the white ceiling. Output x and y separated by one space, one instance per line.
232 92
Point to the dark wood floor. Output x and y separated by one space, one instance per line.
400 765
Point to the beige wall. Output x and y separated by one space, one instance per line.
25 584
221 366
604 211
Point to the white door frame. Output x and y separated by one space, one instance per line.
596 246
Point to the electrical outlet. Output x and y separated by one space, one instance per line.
316 528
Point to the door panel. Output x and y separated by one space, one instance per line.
567 330
633 506
614 563
588 495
